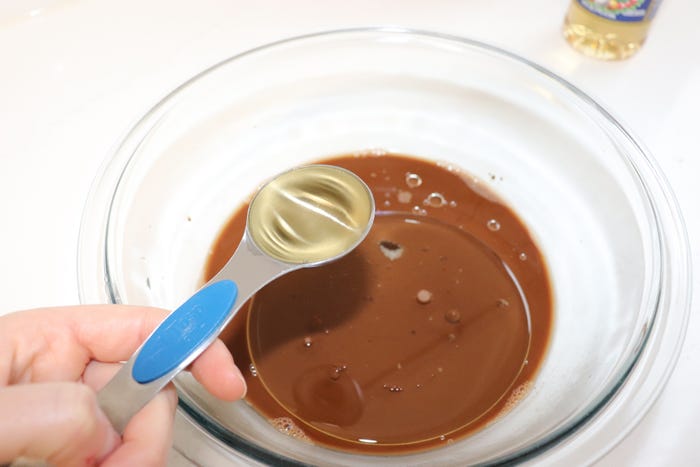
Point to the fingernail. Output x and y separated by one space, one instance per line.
243 381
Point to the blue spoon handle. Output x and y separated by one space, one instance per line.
186 332
175 340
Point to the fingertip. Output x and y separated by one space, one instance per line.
171 394
217 372
111 438
148 436
236 387
243 388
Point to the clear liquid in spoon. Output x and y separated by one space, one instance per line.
311 214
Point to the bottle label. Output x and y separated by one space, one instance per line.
622 10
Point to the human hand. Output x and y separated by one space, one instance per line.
52 362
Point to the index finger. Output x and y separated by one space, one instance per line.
112 333
129 326
53 344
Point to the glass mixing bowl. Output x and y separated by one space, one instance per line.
594 200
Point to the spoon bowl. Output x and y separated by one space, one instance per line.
310 215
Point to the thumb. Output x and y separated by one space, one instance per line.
57 422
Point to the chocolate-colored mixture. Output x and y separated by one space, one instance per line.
427 331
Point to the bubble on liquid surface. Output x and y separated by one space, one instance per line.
453 316
516 395
493 225
308 342
424 296
435 200
419 211
404 197
336 371
287 426
393 388
253 370
413 180
522 257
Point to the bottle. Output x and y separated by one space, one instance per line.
609 29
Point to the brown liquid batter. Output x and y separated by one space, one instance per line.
426 332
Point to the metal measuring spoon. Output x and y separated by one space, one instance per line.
305 217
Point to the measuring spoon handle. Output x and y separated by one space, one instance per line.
173 345
186 333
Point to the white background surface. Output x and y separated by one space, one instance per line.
76 74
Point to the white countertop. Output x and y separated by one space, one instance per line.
76 74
